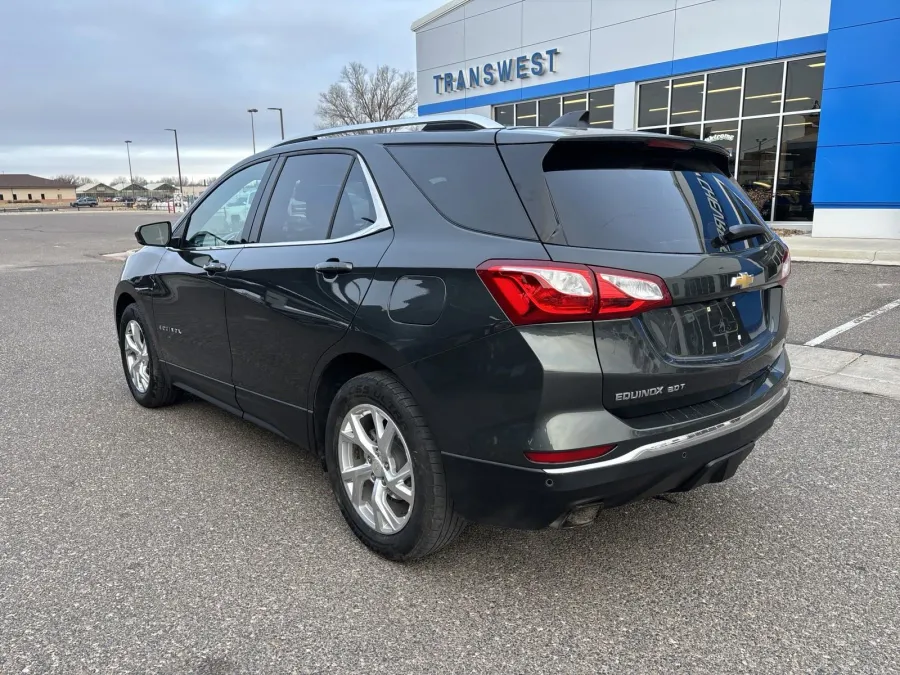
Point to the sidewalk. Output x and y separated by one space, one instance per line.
805 248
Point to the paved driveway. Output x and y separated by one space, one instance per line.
184 540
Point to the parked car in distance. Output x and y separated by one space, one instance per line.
84 201
473 323
128 201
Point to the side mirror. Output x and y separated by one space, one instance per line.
154 234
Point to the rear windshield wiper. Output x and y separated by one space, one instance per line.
739 232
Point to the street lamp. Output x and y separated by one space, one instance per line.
130 176
178 159
253 127
281 119
759 142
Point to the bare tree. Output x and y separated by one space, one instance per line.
119 179
140 180
361 96
73 180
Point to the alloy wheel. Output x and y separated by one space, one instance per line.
137 357
376 468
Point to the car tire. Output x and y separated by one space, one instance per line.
431 522
156 390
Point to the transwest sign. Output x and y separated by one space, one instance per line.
507 70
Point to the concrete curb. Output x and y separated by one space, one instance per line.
805 248
849 371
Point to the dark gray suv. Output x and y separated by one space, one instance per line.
473 323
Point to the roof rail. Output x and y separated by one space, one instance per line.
457 122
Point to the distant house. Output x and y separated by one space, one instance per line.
23 187
99 190
162 191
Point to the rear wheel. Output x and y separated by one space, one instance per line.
386 471
146 379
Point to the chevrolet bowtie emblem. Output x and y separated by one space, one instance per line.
742 280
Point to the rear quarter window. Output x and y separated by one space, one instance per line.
468 185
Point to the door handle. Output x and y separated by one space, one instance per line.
214 266
334 267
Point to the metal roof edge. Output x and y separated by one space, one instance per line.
446 8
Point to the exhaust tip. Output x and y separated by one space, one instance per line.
582 515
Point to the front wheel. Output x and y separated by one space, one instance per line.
146 379
386 471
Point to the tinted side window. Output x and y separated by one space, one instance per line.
469 185
220 218
305 196
356 210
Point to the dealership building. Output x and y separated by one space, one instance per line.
805 94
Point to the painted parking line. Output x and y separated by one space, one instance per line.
852 323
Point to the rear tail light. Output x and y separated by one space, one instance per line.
786 266
540 292
566 456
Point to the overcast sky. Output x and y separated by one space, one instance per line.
79 77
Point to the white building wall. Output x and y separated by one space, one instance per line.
600 39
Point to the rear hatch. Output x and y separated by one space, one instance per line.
643 207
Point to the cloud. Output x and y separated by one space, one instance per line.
90 74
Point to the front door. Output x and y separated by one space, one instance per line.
189 298
284 312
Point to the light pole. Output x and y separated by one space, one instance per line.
759 142
253 127
281 119
130 176
178 159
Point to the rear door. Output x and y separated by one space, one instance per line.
294 293
666 208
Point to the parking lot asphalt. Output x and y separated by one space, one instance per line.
822 296
185 540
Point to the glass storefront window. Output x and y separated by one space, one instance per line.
653 104
756 165
803 90
505 115
600 103
762 89
796 166
687 100
543 112
573 103
723 134
526 114
548 111
723 95
687 130
765 116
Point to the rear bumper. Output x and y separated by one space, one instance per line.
534 498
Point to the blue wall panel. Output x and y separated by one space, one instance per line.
859 136
867 54
844 14
857 175
861 115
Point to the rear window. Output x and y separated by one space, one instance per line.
630 197
468 185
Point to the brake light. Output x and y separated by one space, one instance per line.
785 266
542 292
566 456
668 143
